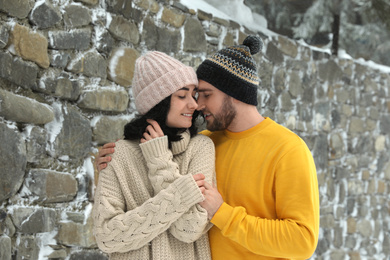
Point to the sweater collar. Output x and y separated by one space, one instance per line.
249 132
181 145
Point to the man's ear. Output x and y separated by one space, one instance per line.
234 100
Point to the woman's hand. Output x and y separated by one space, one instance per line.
153 130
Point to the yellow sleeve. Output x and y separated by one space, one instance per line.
205 132
294 233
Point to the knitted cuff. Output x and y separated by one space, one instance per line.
189 190
155 147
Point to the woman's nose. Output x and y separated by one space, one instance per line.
200 107
200 104
192 104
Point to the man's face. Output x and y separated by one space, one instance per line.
216 106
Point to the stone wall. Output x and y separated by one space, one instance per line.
65 88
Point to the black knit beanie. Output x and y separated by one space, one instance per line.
233 70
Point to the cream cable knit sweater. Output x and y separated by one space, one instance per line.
146 201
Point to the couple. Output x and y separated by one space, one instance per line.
156 198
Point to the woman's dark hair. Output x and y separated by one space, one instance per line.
135 129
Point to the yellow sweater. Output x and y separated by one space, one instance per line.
267 178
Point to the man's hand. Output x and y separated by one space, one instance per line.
199 179
213 199
102 159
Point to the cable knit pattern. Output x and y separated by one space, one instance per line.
163 171
146 200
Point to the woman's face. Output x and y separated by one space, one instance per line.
183 105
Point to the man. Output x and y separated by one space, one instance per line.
267 203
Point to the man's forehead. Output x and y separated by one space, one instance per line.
204 86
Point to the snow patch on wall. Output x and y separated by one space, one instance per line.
114 61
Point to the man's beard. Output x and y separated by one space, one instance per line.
224 118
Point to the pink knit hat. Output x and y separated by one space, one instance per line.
157 76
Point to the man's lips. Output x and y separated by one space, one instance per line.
207 115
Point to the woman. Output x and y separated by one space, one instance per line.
146 200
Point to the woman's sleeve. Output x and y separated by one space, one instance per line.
118 229
163 171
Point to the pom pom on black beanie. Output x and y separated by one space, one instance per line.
233 70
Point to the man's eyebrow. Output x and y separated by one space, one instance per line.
204 89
